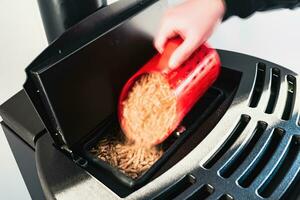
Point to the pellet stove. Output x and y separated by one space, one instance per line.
242 139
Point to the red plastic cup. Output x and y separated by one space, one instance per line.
189 81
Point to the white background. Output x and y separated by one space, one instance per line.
273 36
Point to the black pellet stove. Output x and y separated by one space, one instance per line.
241 140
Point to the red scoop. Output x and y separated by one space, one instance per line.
189 81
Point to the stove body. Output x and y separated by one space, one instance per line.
246 147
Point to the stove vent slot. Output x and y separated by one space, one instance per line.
202 193
275 87
258 85
247 178
226 197
293 191
282 169
176 189
290 100
239 128
241 156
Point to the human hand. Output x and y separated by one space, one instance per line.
194 21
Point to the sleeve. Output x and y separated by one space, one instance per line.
244 8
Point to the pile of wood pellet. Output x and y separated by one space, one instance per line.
129 158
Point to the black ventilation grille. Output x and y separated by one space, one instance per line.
265 176
260 158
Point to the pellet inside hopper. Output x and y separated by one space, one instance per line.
129 158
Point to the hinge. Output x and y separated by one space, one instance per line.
59 140
77 159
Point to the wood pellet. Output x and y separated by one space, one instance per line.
131 159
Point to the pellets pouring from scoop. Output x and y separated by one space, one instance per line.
149 110
156 98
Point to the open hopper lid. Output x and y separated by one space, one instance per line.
75 87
